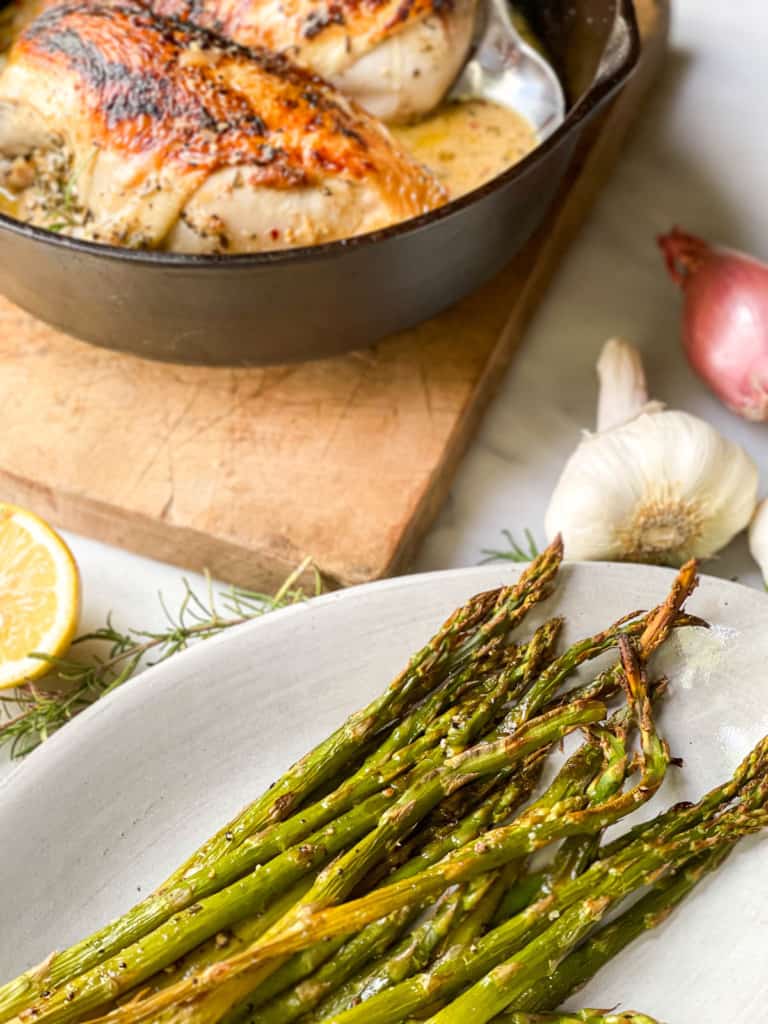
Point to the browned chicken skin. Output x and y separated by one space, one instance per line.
396 57
175 138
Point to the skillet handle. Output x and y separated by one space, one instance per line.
619 59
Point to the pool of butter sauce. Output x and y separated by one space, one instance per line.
467 144
463 144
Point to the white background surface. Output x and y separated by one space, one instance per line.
698 158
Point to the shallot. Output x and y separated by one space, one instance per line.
725 324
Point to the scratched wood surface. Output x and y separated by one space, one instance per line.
245 472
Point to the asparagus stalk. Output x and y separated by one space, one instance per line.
748 778
468 723
541 824
165 907
340 955
657 626
499 988
493 801
509 980
596 768
578 850
576 1017
578 772
655 759
375 775
527 890
647 913
162 907
541 649
324 924
411 954
478 906
505 686
484 759
490 806
335 882
224 943
464 633
416 948
651 630
574 777
545 636
359 949
497 802
463 639
470 719
578 776
490 622
536 828
576 853
651 910
604 880
646 754
546 685
184 931
377 821
491 888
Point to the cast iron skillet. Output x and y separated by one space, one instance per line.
323 300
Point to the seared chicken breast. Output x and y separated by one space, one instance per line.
119 125
395 57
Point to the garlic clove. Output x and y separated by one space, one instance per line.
623 391
663 487
758 538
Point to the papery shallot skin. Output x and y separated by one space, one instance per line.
725 319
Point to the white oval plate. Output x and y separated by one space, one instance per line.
109 806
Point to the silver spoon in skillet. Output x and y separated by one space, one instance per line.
507 70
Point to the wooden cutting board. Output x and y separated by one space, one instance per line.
245 472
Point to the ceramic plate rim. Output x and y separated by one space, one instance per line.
162 674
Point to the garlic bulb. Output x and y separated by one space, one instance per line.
758 538
652 485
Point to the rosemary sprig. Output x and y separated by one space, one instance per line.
515 552
42 707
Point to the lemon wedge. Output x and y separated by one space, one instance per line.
39 595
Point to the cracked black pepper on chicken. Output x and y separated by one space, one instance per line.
188 127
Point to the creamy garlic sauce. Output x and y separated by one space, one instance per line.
463 144
467 144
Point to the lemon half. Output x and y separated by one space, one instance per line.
39 595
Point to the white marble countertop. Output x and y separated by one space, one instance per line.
698 159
